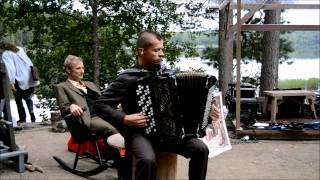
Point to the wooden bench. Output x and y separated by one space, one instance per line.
166 162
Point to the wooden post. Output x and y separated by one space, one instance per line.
166 166
238 65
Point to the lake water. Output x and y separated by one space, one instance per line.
300 69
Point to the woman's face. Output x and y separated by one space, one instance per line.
76 70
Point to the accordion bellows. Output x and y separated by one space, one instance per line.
192 88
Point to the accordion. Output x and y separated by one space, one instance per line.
157 99
193 89
174 104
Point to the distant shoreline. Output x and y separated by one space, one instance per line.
299 69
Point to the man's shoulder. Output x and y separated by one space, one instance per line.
133 71
131 74
61 84
89 82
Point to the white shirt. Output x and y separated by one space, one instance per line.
79 85
18 68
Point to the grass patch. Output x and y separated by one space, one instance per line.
309 84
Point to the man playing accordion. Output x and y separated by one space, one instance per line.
136 123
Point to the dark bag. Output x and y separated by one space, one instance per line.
34 73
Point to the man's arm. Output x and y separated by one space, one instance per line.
106 105
65 106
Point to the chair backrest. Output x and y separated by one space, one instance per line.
79 131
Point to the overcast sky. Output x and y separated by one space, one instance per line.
302 16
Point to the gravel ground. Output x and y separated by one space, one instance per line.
261 160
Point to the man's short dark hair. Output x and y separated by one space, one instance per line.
143 40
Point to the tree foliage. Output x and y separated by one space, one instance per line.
251 46
58 28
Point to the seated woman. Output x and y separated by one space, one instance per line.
76 97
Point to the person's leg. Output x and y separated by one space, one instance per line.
21 111
143 153
99 125
197 151
28 98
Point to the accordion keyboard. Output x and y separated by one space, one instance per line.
145 103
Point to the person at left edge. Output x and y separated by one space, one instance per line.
18 68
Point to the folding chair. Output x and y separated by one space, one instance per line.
81 134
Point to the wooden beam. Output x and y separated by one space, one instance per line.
279 6
268 6
251 12
279 27
224 4
238 51
247 16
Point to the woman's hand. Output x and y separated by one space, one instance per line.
76 110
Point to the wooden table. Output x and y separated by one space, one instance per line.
279 96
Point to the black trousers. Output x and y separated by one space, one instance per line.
26 95
143 150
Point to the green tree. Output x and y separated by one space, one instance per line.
252 46
102 34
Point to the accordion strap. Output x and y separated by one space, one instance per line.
145 74
134 71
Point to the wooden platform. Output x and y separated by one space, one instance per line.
304 134
280 134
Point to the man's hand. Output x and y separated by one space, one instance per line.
137 120
76 110
214 113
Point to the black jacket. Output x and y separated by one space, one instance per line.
122 91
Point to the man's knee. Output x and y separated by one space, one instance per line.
111 130
203 149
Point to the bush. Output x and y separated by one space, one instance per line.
310 84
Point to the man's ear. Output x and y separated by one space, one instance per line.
140 51
67 69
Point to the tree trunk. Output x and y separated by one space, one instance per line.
95 44
270 53
225 50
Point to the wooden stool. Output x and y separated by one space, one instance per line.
166 162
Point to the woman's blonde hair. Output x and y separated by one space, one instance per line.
69 59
